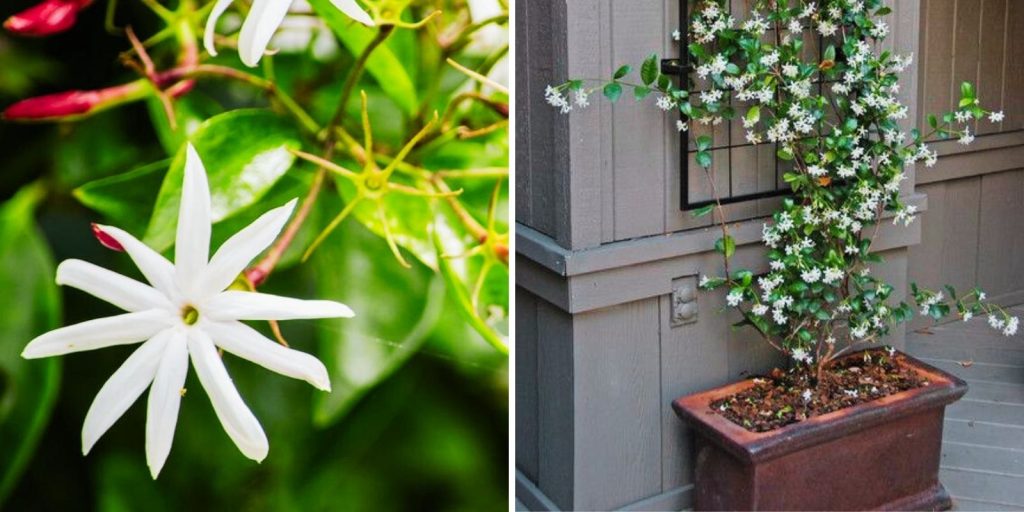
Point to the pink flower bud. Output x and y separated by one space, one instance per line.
73 103
46 18
105 239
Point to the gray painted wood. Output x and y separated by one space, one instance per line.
556 402
1001 239
618 400
983 437
527 401
948 252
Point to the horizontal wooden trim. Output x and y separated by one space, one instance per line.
621 272
989 142
534 499
980 161
544 251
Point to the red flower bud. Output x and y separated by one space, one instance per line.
105 239
46 18
73 103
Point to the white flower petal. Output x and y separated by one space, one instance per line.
232 257
192 240
352 10
99 333
211 26
264 18
157 270
164 401
123 292
236 418
247 343
122 389
239 305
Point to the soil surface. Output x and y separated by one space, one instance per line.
782 397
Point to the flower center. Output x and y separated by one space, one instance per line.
190 315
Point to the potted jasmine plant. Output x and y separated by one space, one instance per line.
847 426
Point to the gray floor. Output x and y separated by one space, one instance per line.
983 443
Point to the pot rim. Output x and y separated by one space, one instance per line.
695 409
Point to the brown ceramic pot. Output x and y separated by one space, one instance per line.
879 455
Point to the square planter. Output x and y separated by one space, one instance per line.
878 455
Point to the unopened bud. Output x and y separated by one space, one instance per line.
46 18
105 239
74 103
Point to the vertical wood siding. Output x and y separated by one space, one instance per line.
971 233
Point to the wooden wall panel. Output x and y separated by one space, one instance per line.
618 405
1001 233
555 427
948 253
638 129
526 341
936 68
991 78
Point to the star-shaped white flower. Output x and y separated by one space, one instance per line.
185 312
264 18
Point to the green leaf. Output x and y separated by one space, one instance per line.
703 143
383 65
31 305
641 92
703 210
356 268
245 152
785 154
649 70
613 92
126 200
621 72
703 159
726 246
754 114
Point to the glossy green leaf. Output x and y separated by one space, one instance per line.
622 72
649 70
726 246
245 153
31 305
396 309
613 92
383 65
189 113
126 200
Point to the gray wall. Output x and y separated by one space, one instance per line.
601 245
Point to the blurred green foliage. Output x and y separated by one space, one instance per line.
418 414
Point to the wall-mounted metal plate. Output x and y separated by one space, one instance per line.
684 301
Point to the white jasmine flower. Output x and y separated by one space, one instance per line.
582 99
806 395
666 103
711 96
968 315
759 309
995 322
704 280
996 117
677 35
827 28
185 312
795 27
831 340
777 265
880 30
832 275
982 295
962 116
811 276
681 126
1011 326
891 350
967 138
734 298
801 355
264 17
790 70
771 59
850 393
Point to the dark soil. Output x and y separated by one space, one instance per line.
776 400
